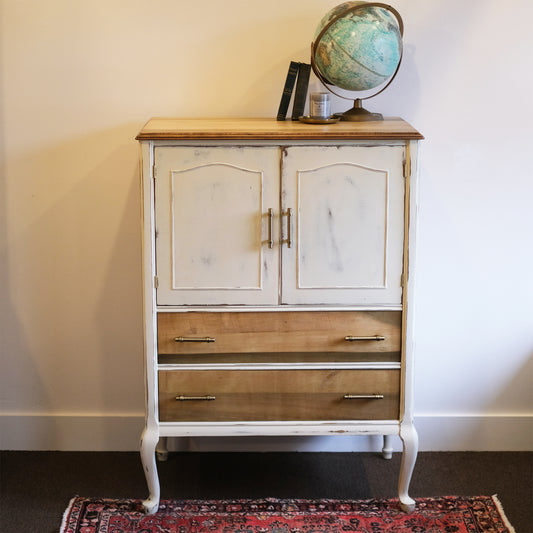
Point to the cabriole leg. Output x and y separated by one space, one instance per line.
409 438
149 441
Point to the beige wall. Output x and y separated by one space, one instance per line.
79 79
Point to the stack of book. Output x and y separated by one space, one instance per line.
298 75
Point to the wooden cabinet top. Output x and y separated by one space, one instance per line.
272 129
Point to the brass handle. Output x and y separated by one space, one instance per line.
363 396
288 240
195 398
352 338
270 228
194 339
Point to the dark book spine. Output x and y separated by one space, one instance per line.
287 90
300 94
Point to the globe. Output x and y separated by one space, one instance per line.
358 47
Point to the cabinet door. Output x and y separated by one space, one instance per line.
213 225
346 227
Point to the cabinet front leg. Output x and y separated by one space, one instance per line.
149 440
409 438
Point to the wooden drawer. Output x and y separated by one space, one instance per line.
273 395
313 331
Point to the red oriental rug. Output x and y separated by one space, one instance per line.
432 515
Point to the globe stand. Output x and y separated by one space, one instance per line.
359 114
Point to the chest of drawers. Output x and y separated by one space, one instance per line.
278 280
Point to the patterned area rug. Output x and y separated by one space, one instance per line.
432 515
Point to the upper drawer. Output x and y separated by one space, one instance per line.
259 332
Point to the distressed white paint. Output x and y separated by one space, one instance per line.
208 226
348 225
95 432
408 432
374 365
213 229
331 427
212 225
335 203
340 189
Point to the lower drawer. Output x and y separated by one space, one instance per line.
277 395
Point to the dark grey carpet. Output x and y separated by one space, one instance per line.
37 486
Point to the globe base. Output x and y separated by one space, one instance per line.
359 114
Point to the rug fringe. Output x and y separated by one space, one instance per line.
66 514
499 506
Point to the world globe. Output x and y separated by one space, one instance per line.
358 47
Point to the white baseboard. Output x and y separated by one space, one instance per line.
71 432
475 433
122 433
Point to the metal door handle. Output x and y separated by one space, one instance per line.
288 240
194 339
270 228
364 396
195 398
352 338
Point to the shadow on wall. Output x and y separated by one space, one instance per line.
17 372
71 304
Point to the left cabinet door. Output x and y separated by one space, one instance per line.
217 220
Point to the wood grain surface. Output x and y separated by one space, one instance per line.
272 129
278 395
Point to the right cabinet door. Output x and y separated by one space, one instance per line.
342 225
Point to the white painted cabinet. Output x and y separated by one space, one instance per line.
222 227
277 280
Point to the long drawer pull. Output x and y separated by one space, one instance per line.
352 338
364 396
194 339
195 398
